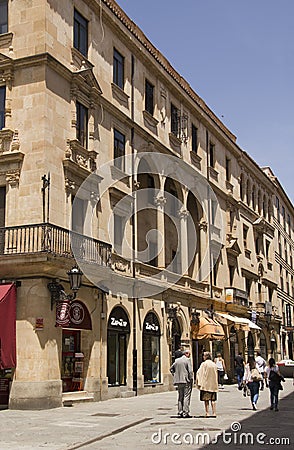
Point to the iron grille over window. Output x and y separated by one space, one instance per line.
179 124
118 69
80 33
82 125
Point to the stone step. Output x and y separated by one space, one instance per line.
127 394
69 398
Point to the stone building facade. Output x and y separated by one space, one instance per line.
109 160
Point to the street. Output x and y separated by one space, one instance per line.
151 421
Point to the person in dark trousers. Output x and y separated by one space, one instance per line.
239 368
183 379
252 377
273 380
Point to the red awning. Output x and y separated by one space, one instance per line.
7 326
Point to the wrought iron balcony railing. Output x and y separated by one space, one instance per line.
48 238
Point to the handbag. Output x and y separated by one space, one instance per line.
226 376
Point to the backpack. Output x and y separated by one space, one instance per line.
274 377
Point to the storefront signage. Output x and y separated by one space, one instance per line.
62 314
229 295
118 322
151 326
77 313
39 323
73 315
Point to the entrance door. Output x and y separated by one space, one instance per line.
71 340
116 361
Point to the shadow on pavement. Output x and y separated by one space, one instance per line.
264 429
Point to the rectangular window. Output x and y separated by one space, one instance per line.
248 286
245 236
151 187
3 16
278 208
175 117
213 211
118 69
228 169
194 138
78 214
211 154
149 97
80 33
2 206
119 150
231 273
153 254
82 124
267 248
118 232
2 107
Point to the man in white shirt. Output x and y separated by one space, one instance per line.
260 365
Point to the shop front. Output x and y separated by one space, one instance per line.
118 332
73 364
151 349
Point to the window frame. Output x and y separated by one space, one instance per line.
82 124
81 40
174 120
211 154
119 149
194 138
118 69
4 18
149 97
2 106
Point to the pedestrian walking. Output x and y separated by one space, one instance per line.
260 365
207 383
273 380
252 377
221 369
183 379
239 368
178 353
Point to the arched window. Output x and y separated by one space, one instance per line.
151 349
118 330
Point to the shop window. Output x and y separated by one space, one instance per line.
118 331
119 150
72 362
151 349
82 124
80 33
149 97
118 69
2 107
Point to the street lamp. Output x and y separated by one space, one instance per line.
57 290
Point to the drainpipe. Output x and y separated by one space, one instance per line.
133 183
209 216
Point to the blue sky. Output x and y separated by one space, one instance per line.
239 57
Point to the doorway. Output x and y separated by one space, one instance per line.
72 361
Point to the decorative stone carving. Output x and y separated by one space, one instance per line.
160 200
203 225
15 145
70 185
12 177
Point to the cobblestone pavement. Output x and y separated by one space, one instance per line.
150 421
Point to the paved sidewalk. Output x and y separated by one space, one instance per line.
150 421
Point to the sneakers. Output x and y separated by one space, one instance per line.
254 406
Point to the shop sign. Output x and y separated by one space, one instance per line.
229 295
39 323
114 322
62 314
151 326
77 313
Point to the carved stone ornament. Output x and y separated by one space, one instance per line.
120 266
203 225
12 177
183 213
69 185
160 200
